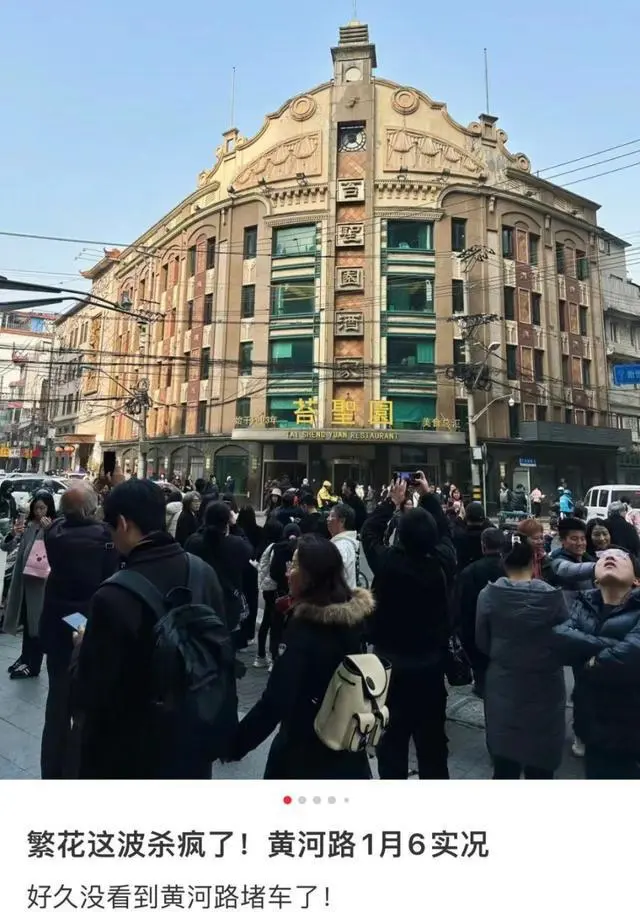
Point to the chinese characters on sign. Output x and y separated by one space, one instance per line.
350 235
350 191
381 413
441 424
265 421
343 412
306 412
346 413
349 370
350 279
349 323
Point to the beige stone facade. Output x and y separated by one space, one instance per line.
305 291
85 361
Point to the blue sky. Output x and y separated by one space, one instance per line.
109 111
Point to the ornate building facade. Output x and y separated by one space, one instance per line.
309 301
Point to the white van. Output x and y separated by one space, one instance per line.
597 500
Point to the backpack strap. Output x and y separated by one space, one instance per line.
195 578
139 586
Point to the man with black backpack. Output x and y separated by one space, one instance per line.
155 679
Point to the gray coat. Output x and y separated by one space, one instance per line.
525 691
22 587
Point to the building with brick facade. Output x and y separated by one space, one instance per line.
308 301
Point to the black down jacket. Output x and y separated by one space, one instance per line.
607 693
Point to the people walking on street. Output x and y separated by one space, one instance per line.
601 640
187 523
470 584
81 556
228 555
273 532
467 535
565 503
325 496
536 498
410 629
598 538
623 534
352 499
341 524
313 522
524 698
533 532
124 734
326 624
173 511
26 592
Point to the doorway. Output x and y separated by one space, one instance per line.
353 469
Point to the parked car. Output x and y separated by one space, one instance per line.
597 500
25 486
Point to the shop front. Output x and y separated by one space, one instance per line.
286 456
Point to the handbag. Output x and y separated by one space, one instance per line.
37 564
457 664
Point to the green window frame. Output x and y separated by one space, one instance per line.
411 355
283 408
295 241
293 299
407 234
410 294
291 356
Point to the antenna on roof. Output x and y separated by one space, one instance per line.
486 81
233 97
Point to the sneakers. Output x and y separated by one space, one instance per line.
22 672
577 748
261 662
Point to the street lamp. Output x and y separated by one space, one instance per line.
482 411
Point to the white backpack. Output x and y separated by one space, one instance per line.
353 715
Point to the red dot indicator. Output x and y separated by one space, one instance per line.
287 799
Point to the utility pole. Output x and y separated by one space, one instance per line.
137 408
469 258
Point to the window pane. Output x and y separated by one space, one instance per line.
457 295
243 407
408 235
534 244
409 294
283 408
562 312
208 309
290 299
507 243
535 309
204 363
583 321
246 358
509 303
458 234
299 240
248 300
512 362
410 354
211 253
560 258
291 355
250 246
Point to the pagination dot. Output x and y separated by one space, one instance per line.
302 800
287 799
317 800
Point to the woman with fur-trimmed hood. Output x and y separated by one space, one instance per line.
326 624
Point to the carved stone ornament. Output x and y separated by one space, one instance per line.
350 279
350 235
349 370
422 153
350 191
405 101
303 107
295 156
349 323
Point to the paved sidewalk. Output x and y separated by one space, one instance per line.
22 715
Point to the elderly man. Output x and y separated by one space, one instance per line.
81 555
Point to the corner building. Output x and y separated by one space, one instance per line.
307 289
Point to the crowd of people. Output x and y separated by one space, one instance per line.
144 603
